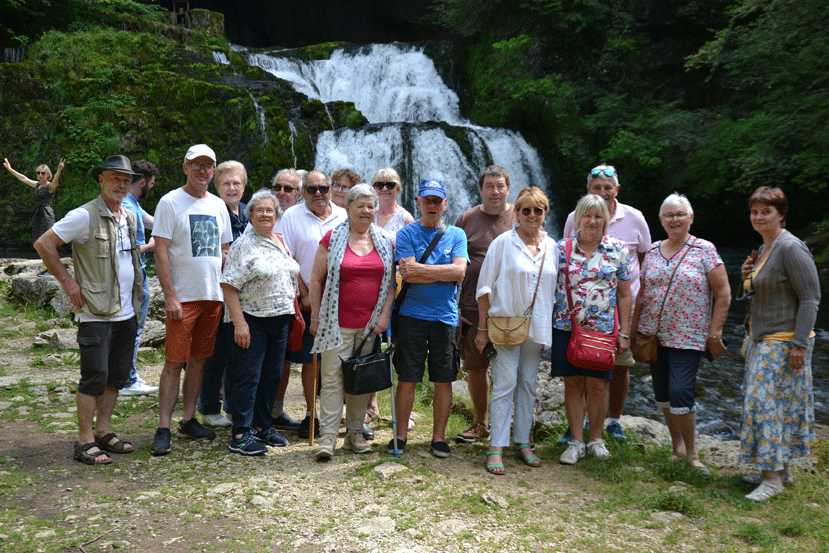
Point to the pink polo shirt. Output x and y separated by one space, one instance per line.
628 225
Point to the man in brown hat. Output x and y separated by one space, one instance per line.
106 294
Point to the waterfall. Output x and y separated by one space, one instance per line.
220 57
399 90
261 112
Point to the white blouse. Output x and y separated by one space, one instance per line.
509 275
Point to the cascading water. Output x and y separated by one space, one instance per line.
398 89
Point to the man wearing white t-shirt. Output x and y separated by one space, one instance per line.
106 293
192 235
303 226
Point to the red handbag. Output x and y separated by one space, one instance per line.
297 328
588 349
297 324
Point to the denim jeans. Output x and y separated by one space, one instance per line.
142 320
216 371
256 371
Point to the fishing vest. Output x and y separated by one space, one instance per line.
96 263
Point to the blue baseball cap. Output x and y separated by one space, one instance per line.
432 187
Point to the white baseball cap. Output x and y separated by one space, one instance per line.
200 150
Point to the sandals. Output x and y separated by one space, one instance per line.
495 468
82 454
118 447
764 492
530 460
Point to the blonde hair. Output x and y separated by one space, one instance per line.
532 195
588 202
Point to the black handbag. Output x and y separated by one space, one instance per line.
367 373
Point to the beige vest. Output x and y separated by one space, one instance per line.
96 263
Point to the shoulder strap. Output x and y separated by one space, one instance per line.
668 289
540 272
432 245
568 291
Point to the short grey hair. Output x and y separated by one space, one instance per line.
293 173
359 191
602 167
259 196
588 202
676 199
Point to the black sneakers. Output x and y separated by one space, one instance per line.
194 429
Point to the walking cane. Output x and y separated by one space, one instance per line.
313 401
392 345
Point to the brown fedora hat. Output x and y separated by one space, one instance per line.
120 164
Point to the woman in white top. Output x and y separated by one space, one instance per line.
390 216
507 287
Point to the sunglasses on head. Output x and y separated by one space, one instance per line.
525 211
607 172
388 185
314 189
285 187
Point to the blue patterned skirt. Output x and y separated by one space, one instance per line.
778 408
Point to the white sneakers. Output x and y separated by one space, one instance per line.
325 446
216 420
598 449
573 454
356 442
576 451
138 388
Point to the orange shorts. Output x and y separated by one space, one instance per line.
195 333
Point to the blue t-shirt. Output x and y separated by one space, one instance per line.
435 301
132 204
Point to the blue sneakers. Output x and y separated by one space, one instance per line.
614 430
246 445
271 437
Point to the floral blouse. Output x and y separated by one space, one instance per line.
687 313
264 274
593 284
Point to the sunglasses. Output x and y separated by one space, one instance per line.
525 211
607 172
388 185
41 172
285 187
314 189
202 166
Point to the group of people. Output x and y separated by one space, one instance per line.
346 253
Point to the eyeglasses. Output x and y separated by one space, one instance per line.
202 166
264 211
343 187
678 216
525 211
607 172
312 190
129 236
388 185
280 187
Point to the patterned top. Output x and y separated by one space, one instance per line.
687 314
397 222
593 284
263 273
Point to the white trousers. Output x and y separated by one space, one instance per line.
514 380
331 385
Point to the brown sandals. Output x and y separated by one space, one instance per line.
118 447
82 454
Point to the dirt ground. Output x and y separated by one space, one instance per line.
202 498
